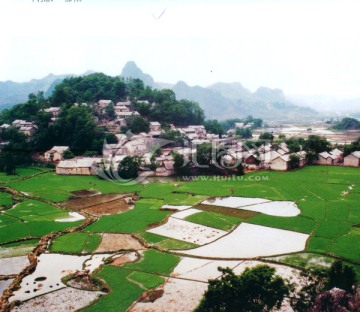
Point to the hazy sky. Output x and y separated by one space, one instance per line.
302 47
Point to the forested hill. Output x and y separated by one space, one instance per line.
220 100
94 87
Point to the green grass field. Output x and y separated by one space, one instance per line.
31 218
5 200
127 283
21 173
146 213
75 243
155 262
328 215
215 220
166 242
57 187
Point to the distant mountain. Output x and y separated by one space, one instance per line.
223 101
232 91
212 102
131 70
17 92
219 101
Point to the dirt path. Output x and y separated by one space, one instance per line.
28 177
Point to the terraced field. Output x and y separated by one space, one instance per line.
324 213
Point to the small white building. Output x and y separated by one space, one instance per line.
326 159
155 126
54 111
280 163
56 153
352 160
78 166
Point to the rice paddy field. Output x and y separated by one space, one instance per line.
300 219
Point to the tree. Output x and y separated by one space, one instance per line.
294 144
244 133
316 144
110 111
204 154
341 276
294 161
138 124
347 124
75 128
354 146
68 154
181 167
266 136
311 156
213 126
256 290
128 167
110 138
7 162
174 136
240 169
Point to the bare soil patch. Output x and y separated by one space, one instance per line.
66 299
82 280
115 242
124 258
239 213
103 204
179 295
151 295
84 193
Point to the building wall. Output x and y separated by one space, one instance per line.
279 164
56 156
351 161
325 161
73 171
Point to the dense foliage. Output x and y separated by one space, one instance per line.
354 146
257 289
347 124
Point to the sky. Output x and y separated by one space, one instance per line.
300 46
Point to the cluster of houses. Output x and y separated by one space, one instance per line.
267 156
23 126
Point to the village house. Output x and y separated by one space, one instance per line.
155 126
102 104
121 109
18 123
280 163
338 154
28 130
326 159
54 111
126 103
4 127
78 166
225 142
127 114
352 160
56 153
302 158
239 125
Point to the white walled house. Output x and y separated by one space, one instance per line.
352 160
280 163
56 153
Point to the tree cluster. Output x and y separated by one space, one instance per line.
347 124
